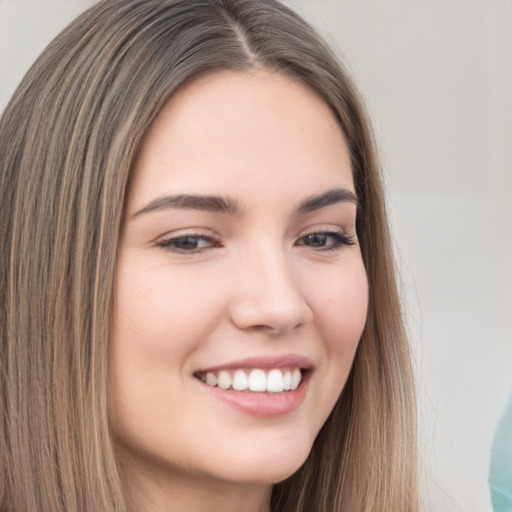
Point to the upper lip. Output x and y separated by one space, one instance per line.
263 363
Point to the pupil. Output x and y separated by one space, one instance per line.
187 242
317 239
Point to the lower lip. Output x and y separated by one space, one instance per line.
268 405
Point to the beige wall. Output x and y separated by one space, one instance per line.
437 76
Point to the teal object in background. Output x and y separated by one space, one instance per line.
500 475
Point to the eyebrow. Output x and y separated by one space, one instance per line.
214 204
336 195
219 204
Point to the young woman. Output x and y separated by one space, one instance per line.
198 302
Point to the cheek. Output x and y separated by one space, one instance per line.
159 321
158 311
341 307
160 318
338 297
340 315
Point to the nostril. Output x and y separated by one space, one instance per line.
270 316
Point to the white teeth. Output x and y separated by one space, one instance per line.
224 380
257 380
240 380
211 379
274 381
287 381
296 378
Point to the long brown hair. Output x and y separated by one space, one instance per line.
68 141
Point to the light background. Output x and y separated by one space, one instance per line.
437 78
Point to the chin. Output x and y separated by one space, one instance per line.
269 466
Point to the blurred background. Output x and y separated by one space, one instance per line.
437 79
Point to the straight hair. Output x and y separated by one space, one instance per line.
68 142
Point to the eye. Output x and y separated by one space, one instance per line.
326 240
188 244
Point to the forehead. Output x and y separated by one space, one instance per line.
254 132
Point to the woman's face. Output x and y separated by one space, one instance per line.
239 266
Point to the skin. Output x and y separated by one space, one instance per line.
257 285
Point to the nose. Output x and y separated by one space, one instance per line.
268 294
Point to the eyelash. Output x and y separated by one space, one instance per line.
339 239
171 244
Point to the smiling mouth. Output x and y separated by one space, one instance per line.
273 380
